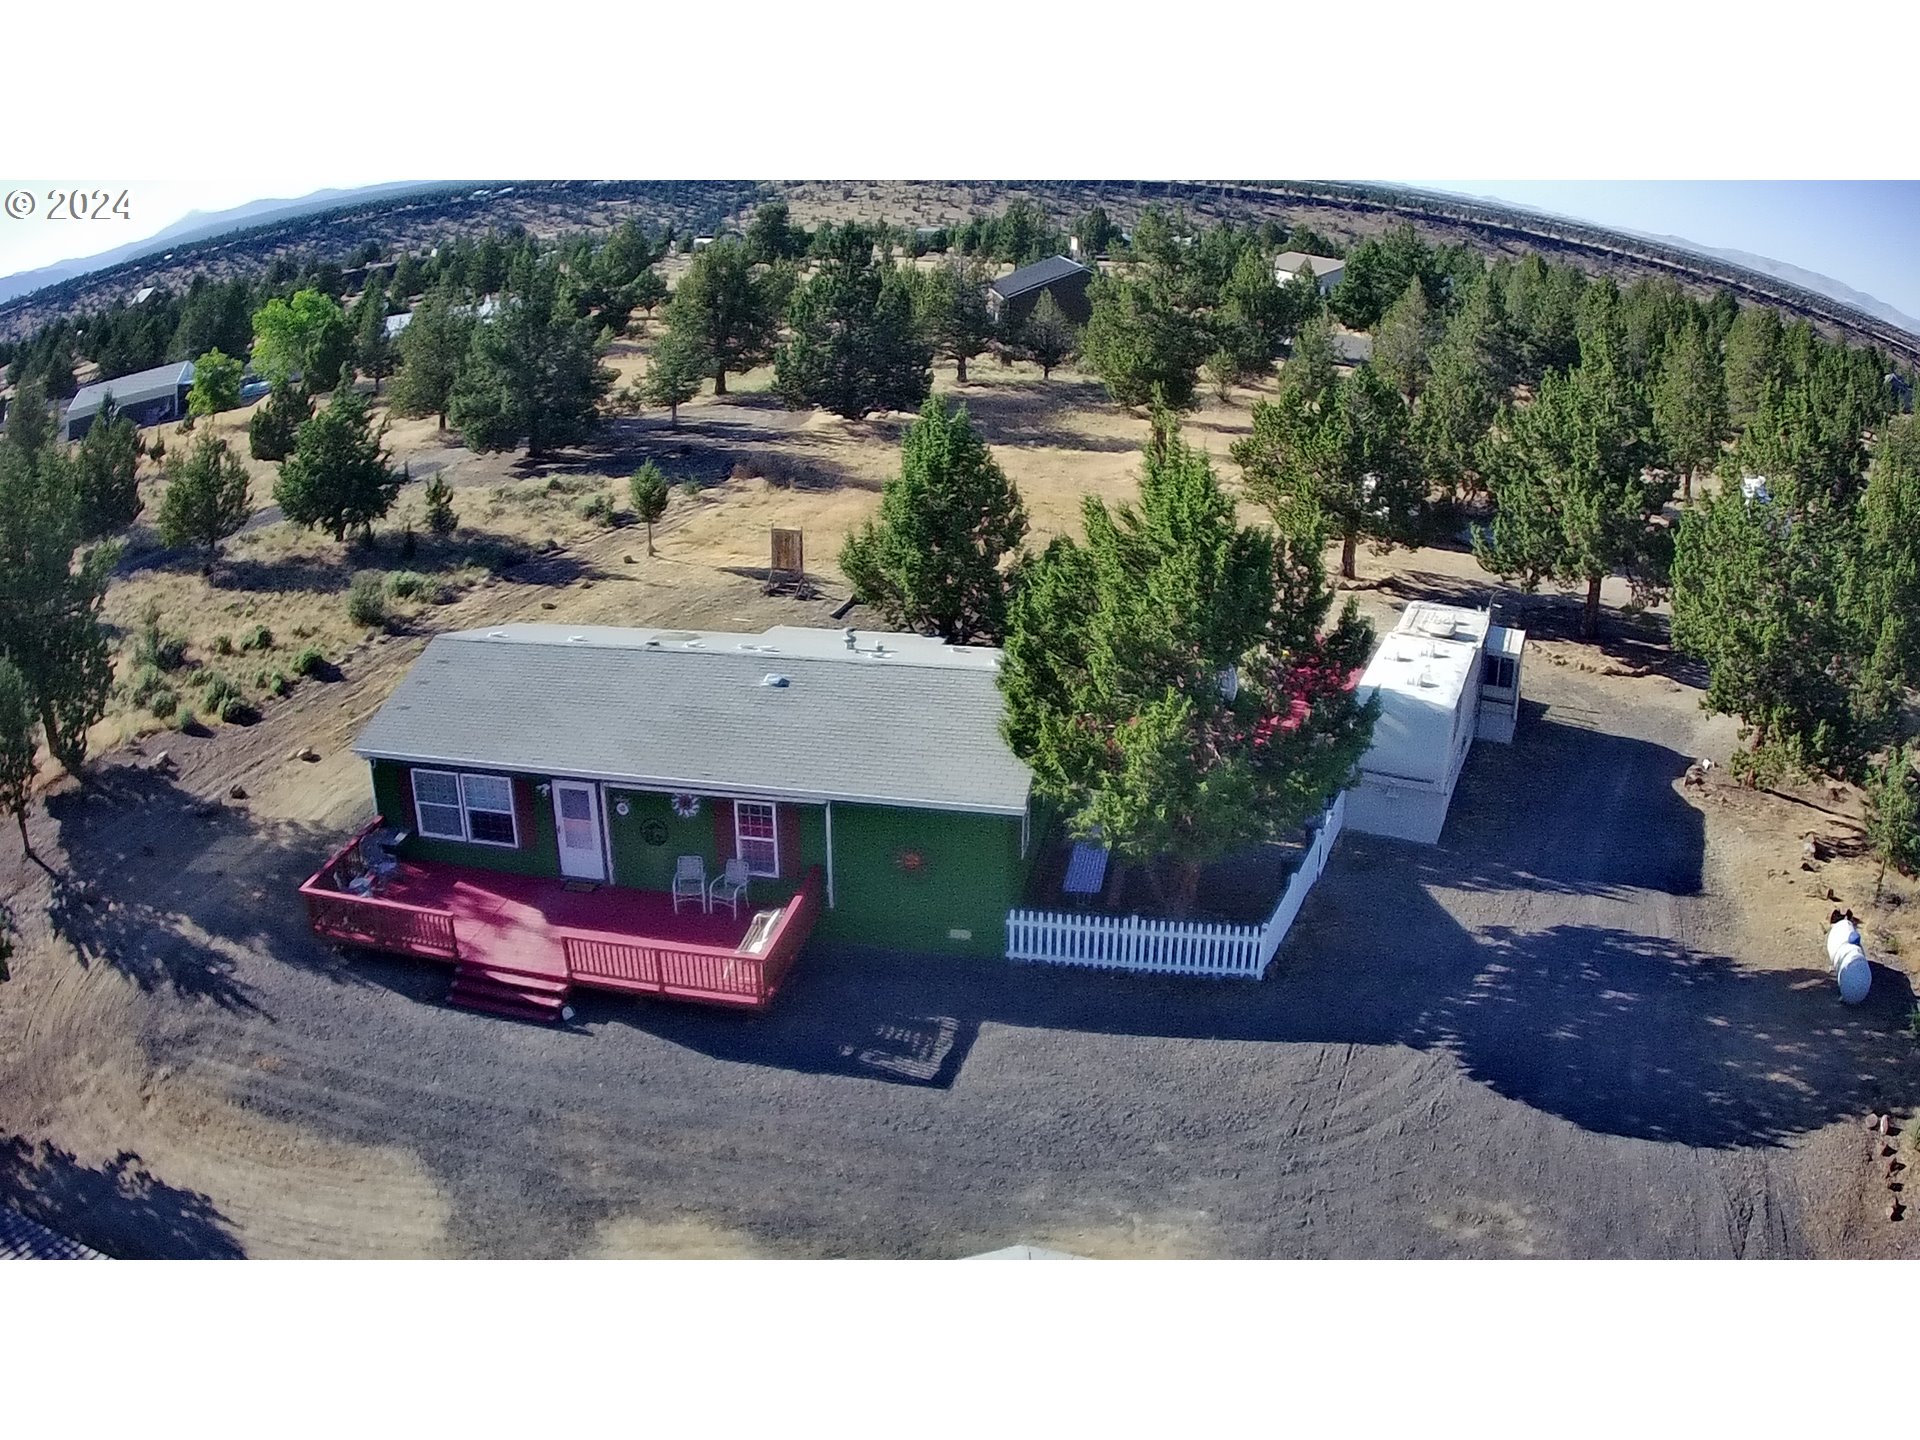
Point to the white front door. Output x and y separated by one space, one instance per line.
576 820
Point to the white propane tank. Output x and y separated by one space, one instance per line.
1850 968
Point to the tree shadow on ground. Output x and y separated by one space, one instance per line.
145 884
1028 413
120 1208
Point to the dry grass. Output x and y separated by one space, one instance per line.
754 466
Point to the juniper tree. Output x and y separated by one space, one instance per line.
853 345
730 307
1049 338
533 374
373 348
1345 459
1465 383
338 477
433 347
1142 343
275 426
106 470
441 519
936 559
50 594
18 753
206 498
674 372
649 492
950 304
1575 499
1689 404
1160 694
1403 340
1893 814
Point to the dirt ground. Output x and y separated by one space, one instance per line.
1593 1021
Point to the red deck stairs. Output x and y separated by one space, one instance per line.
505 990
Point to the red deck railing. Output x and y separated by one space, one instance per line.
703 972
369 920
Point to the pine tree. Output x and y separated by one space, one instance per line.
206 499
1159 692
106 469
674 372
338 476
533 375
433 347
1884 593
1310 371
1256 314
729 308
936 559
1049 339
1689 404
854 346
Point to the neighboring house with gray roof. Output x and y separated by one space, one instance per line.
1325 270
147 397
602 755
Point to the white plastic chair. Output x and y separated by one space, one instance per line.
729 886
690 881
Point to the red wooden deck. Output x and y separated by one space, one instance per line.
520 943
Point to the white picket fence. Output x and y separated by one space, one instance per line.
1173 947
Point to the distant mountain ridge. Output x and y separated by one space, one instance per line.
1773 269
1806 279
202 225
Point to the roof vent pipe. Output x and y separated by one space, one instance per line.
852 643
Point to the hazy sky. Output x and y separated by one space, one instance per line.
1863 233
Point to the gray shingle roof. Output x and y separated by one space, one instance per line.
24 1239
132 389
904 721
1032 277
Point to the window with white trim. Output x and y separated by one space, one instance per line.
756 836
477 809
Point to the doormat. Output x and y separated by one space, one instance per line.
581 887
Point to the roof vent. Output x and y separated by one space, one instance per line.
696 645
576 639
852 639
496 635
775 682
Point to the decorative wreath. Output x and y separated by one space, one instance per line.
686 806
911 860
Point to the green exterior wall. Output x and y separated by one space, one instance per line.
971 871
538 853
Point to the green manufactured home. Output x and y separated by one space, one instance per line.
604 757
